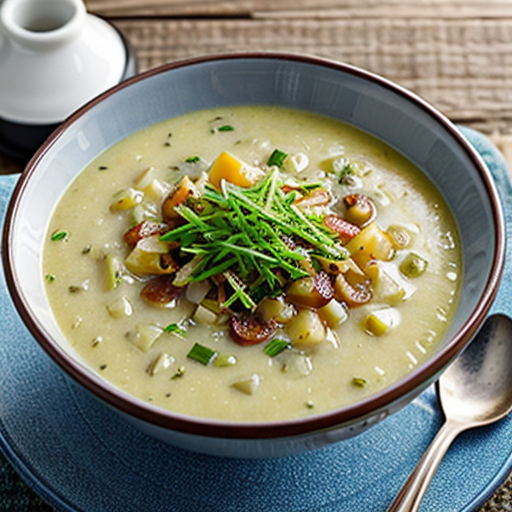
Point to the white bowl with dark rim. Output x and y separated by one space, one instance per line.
364 100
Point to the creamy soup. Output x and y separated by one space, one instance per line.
252 264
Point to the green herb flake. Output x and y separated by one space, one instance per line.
50 277
175 329
102 168
359 382
275 347
192 159
59 235
226 128
277 158
103 367
202 354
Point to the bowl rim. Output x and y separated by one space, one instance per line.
214 428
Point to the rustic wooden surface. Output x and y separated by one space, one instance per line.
456 54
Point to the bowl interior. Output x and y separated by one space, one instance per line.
341 92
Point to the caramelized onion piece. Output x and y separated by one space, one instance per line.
160 291
143 230
312 292
344 229
360 209
250 329
353 295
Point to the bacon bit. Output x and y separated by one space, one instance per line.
250 330
143 230
160 291
345 230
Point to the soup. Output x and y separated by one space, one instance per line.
252 264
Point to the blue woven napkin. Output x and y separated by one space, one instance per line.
81 456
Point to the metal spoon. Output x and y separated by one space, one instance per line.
475 390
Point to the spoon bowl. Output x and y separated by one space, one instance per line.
475 390
477 387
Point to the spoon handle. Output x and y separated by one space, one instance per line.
411 494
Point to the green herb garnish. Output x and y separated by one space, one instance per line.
59 235
276 346
192 159
176 329
277 158
254 236
202 354
50 277
226 128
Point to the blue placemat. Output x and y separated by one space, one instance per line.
81 456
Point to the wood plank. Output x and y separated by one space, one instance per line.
304 8
464 68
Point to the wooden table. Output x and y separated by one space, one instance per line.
456 54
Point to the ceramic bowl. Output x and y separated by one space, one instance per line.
366 101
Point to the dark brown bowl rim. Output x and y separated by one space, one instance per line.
273 429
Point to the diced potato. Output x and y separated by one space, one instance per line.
370 244
306 329
248 386
296 365
380 321
127 199
204 315
333 314
162 363
276 309
120 308
197 290
228 167
145 336
156 191
312 292
385 287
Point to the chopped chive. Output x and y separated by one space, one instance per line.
277 158
102 168
50 277
176 329
275 347
225 128
59 235
192 159
202 354
103 367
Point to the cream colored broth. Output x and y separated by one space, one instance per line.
322 378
